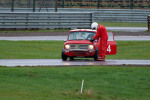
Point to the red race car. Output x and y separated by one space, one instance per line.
78 45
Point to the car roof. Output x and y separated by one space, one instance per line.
83 30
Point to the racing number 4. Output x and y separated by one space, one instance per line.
109 49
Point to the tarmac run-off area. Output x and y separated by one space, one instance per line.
61 38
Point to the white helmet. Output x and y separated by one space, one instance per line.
94 25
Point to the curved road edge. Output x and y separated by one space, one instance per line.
60 63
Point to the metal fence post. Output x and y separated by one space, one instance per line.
33 5
28 3
62 3
131 2
12 5
98 4
55 5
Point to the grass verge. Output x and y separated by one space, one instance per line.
55 83
52 50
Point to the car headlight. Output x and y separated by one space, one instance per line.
67 46
91 47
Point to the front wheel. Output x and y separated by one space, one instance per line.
63 56
96 55
71 58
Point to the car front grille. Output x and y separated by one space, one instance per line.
79 46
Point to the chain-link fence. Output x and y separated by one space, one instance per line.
99 4
121 4
27 3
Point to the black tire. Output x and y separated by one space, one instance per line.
71 58
63 56
96 55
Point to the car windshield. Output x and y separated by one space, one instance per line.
81 35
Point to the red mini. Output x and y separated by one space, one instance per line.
78 45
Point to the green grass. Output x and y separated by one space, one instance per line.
30 49
132 50
57 83
52 50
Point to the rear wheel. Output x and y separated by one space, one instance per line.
96 55
63 56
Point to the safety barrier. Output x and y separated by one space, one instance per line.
99 15
148 23
121 15
45 20
68 18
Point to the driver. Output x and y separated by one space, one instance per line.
102 34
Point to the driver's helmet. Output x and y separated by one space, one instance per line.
94 26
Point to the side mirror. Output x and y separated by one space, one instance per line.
65 40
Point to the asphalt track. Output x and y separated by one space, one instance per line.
43 38
76 62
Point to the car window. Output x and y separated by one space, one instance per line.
110 36
81 35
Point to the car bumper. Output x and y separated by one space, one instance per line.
79 53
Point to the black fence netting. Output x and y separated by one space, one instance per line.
108 4
27 3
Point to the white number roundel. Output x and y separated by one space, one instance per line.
109 49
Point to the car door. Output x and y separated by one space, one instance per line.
111 44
